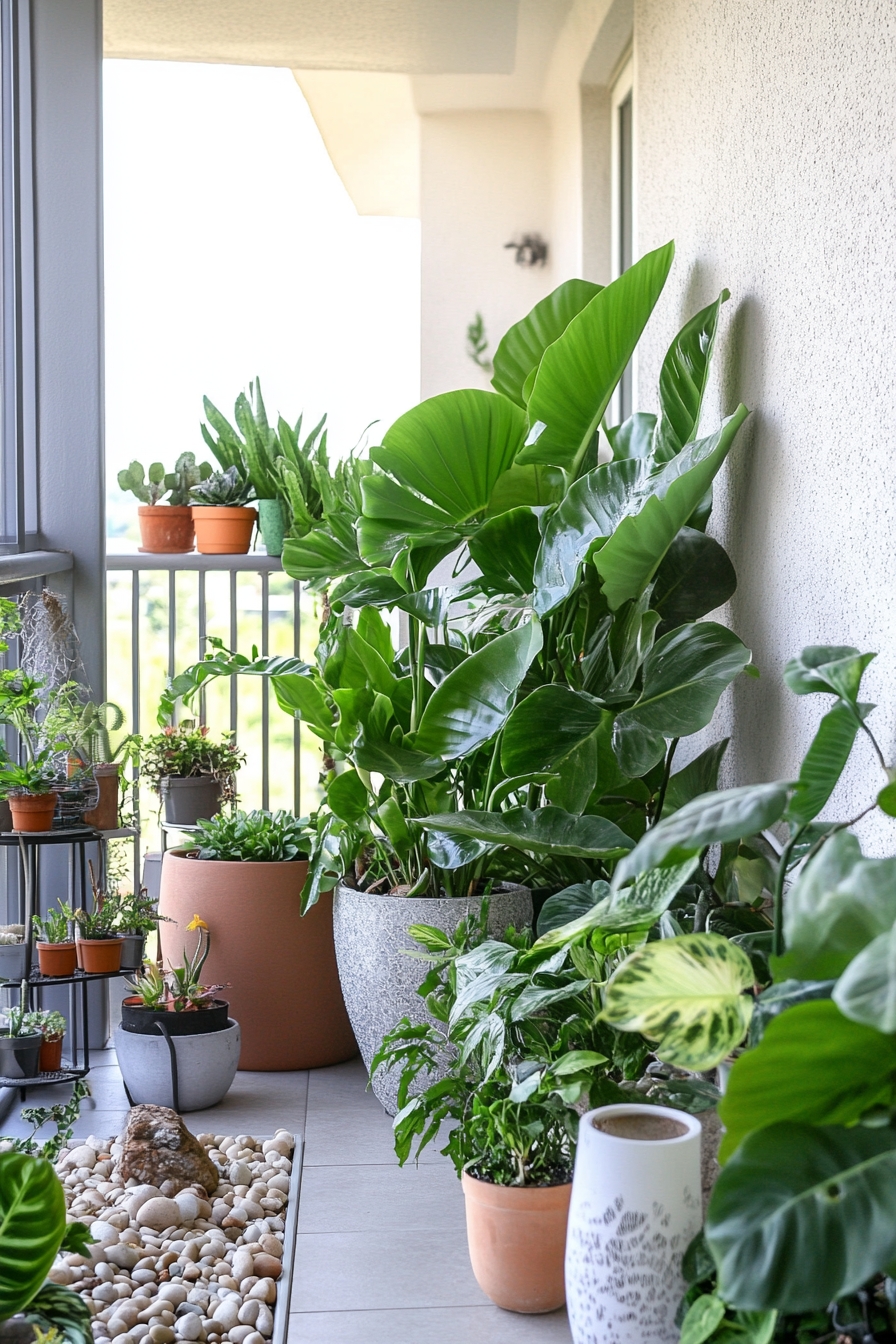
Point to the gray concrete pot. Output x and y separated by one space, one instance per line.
379 983
206 1066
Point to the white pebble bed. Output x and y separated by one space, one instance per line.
180 1268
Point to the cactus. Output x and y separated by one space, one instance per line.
158 483
185 477
149 490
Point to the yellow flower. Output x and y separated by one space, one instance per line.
196 923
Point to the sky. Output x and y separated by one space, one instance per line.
233 250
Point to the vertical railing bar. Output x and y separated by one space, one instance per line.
234 705
202 633
296 726
265 705
172 620
135 714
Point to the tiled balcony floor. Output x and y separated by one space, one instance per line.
382 1252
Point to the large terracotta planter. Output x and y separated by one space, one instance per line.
279 967
166 529
32 811
105 815
223 531
380 981
517 1240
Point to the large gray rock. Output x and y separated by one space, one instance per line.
379 981
158 1147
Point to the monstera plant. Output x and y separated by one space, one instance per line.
548 677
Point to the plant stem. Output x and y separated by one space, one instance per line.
661 796
778 934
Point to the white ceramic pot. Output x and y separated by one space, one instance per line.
206 1066
635 1207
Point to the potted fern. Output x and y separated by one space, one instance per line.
165 528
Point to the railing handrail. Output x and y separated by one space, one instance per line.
259 563
17 568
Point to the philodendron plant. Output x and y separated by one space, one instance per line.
802 1212
538 703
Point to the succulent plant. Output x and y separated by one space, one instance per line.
151 487
226 489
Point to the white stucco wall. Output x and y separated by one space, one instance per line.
765 143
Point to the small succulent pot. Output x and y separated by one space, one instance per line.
51 1054
132 947
165 529
12 961
223 529
105 815
142 1021
190 798
33 811
99 956
271 524
20 1055
517 1241
57 958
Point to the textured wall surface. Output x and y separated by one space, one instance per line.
765 148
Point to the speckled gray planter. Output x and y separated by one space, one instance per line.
379 983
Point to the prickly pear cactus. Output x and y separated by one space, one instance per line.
148 489
185 476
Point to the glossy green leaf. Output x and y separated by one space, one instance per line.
474 701
803 1215
370 588
569 904
777 998
695 577
711 819
592 508
546 726
579 372
837 905
453 851
303 698
402 764
823 764
701 775
521 348
546 830
347 797
634 437
382 542
57 1307
651 894
886 799
683 380
505 548
574 777
534 487
324 553
703 1315
866 991
631 556
687 994
32 1224
834 668
812 1065
637 749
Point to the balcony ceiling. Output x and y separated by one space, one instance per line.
416 37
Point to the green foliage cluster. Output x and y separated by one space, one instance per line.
255 837
151 487
187 750
223 490
55 926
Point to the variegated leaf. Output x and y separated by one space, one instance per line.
32 1224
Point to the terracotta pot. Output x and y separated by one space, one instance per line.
223 531
32 811
517 1241
56 958
50 1054
99 956
105 815
166 529
279 967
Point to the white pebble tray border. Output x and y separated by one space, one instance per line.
193 1281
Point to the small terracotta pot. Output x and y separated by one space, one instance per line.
99 956
32 811
50 1054
517 1241
56 958
105 815
166 529
223 531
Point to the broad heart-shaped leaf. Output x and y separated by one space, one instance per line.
347 797
710 819
838 904
324 553
866 991
823 764
701 775
453 851
547 830
546 726
834 668
813 1065
803 1215
32 1224
686 993
473 702
695 577
569 904
704 1314
451 450
629 559
683 379
683 676
521 348
370 588
505 548
402 764
580 370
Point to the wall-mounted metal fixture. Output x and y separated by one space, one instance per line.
531 250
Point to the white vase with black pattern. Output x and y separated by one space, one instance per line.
636 1205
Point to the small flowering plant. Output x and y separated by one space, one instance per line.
178 989
188 749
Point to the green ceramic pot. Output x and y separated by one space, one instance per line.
271 522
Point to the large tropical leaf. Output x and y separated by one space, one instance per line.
505 548
569 904
473 702
521 348
402 764
651 894
813 1065
711 819
686 993
823 764
302 697
324 553
701 775
695 577
838 904
32 1225
579 372
833 668
546 726
683 379
534 487
866 991
547 830
803 1215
